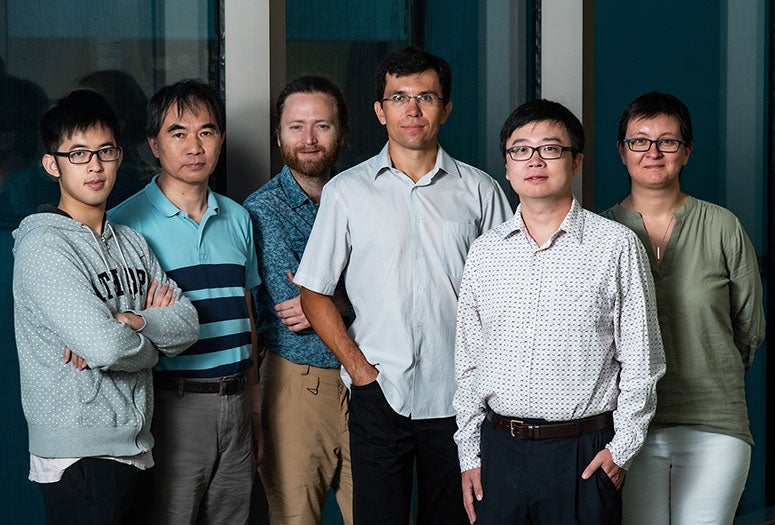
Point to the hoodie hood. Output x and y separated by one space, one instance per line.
51 217
47 216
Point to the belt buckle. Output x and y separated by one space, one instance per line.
512 423
231 386
520 430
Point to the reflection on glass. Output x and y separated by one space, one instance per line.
125 50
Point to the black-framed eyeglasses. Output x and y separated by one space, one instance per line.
545 151
641 144
83 156
423 99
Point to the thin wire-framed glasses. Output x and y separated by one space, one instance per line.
84 156
423 99
545 151
641 144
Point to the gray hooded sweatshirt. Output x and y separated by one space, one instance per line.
67 284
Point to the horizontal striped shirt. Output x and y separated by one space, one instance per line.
213 262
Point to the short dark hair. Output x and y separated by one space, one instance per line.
410 61
653 104
313 84
184 95
541 109
78 111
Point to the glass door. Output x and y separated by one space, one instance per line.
126 50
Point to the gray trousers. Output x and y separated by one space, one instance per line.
205 465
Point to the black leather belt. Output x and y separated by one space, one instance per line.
520 429
224 386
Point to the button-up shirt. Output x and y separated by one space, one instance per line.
558 332
283 216
401 246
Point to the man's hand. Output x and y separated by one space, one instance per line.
290 312
159 297
134 321
363 375
472 488
79 363
603 460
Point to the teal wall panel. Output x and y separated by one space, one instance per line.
675 50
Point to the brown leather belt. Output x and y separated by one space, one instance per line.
224 386
520 429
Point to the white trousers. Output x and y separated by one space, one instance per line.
685 476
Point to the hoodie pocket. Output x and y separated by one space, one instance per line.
89 382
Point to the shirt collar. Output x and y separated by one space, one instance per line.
291 188
444 163
634 220
572 224
165 206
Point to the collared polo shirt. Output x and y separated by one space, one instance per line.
213 262
283 216
401 247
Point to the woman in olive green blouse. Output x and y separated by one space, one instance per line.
694 464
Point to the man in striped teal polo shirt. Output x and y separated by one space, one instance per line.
207 400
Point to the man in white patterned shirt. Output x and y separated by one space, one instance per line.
558 350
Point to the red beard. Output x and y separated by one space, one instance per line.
320 167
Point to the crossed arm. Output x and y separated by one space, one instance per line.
158 297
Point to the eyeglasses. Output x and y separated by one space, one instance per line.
83 156
641 144
423 99
545 151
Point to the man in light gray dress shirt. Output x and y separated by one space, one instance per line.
398 227
558 349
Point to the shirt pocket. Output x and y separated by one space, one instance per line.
456 239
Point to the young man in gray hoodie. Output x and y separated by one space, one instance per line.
93 310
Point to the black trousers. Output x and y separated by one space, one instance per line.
383 448
539 482
92 491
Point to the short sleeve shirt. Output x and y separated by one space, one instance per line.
401 247
213 262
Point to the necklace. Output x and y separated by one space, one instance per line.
659 246
664 235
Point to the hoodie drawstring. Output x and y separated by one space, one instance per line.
102 256
132 289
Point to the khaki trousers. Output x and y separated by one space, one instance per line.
306 441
